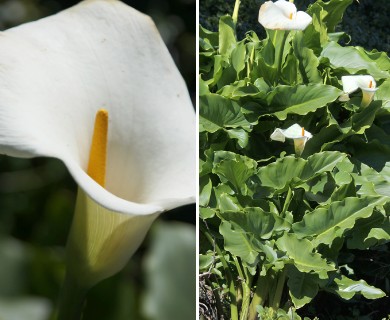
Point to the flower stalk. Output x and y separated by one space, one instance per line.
260 296
235 12
74 290
245 279
275 304
72 299
286 204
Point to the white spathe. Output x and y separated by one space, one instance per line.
295 132
283 15
352 83
56 73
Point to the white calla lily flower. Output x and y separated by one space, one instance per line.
283 15
295 132
364 82
55 74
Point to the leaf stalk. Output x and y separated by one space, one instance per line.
260 296
72 299
232 287
279 290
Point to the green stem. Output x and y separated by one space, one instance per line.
250 61
307 204
232 288
279 290
72 300
263 285
287 201
246 292
245 302
238 266
235 12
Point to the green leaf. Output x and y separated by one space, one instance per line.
308 62
234 168
256 221
227 38
300 99
208 36
380 235
347 288
238 57
334 12
318 189
270 254
316 35
380 58
303 287
280 174
227 76
203 87
225 198
344 191
289 70
240 244
226 202
205 187
325 224
358 123
217 112
217 70
373 153
301 251
206 162
240 135
367 176
268 52
261 85
369 232
324 139
242 88
205 262
383 92
206 213
352 59
293 171
362 120
322 162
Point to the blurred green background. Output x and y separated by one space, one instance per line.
37 198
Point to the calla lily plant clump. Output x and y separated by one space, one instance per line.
77 86
294 167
